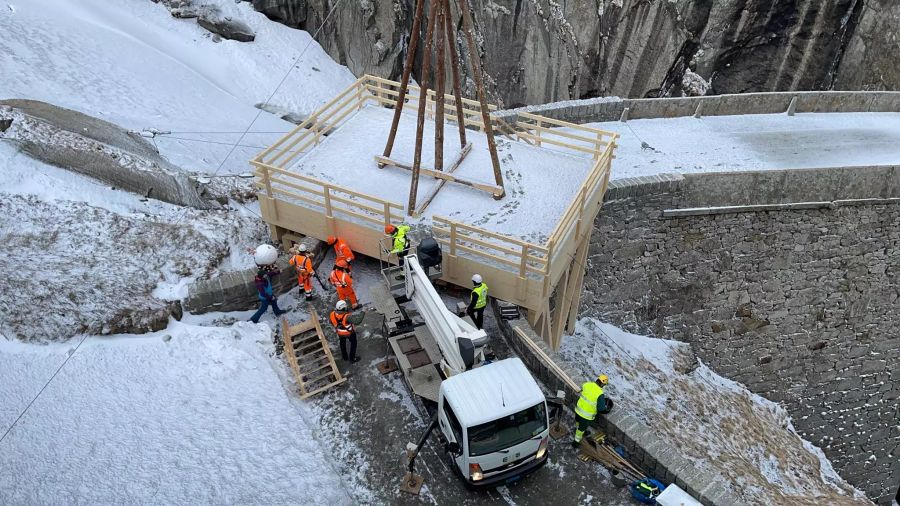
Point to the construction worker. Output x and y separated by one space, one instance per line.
343 283
302 262
265 257
341 250
589 401
400 244
344 327
478 300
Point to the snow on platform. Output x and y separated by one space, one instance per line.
754 142
540 182
202 418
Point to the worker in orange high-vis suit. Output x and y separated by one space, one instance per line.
302 262
341 250
345 328
343 283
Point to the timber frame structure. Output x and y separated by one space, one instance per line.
527 274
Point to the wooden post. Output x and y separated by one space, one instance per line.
580 213
404 81
420 122
479 86
453 239
537 141
327 194
387 214
267 181
450 35
524 261
439 77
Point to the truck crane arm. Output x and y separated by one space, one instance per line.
458 340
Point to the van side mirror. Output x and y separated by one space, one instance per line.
453 447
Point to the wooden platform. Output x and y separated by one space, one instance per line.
309 356
528 273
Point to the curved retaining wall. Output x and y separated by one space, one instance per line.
611 108
797 299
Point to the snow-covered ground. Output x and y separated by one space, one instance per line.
190 415
131 63
754 142
79 252
716 422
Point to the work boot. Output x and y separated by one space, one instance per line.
357 306
576 444
309 296
355 359
344 358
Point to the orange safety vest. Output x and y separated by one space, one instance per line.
340 278
303 265
341 250
341 326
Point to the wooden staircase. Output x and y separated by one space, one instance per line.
309 356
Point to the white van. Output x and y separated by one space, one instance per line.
495 420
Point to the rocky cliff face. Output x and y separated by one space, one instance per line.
538 51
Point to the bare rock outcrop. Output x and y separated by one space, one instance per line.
538 51
100 150
870 59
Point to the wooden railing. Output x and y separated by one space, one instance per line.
311 131
513 254
385 92
287 185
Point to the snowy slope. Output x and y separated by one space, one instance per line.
199 419
130 62
715 422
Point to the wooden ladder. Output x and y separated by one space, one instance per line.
309 356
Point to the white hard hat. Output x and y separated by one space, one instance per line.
341 305
302 248
266 254
476 278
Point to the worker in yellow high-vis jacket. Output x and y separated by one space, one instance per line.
478 300
590 402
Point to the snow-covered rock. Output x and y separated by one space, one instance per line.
98 149
226 26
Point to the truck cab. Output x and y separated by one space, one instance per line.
495 421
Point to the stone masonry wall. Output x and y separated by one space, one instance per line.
611 108
800 305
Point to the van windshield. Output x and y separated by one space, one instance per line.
507 431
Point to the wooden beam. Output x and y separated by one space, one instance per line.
404 81
420 121
493 190
454 164
454 67
439 77
479 86
578 287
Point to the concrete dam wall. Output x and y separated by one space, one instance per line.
785 281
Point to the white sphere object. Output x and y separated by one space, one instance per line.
266 254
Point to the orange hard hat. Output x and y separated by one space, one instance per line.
389 229
331 240
341 263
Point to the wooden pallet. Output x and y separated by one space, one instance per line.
309 356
